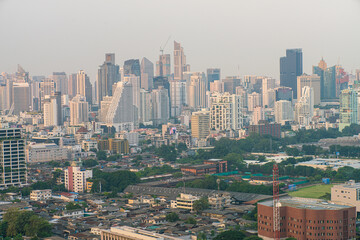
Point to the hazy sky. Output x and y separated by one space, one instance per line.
239 36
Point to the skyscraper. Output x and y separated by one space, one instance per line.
135 84
61 82
160 106
180 65
72 85
283 93
177 96
212 74
52 110
348 108
312 81
83 86
267 85
79 110
147 74
132 66
145 106
327 80
230 84
304 108
283 111
121 109
196 91
200 124
163 67
291 67
108 74
12 161
21 97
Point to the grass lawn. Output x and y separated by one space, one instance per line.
317 191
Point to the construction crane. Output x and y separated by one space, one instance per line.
276 203
164 45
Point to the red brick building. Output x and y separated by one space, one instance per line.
199 169
221 165
308 219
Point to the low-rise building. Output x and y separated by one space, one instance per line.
185 201
201 169
39 195
129 233
45 152
348 194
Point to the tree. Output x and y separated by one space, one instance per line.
190 220
172 217
101 155
11 217
90 163
201 236
73 206
201 205
292 151
253 238
290 238
181 147
230 235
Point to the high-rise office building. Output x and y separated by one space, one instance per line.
121 109
160 106
79 110
348 108
145 106
342 80
180 65
200 124
61 82
304 108
52 110
72 85
312 81
283 111
291 66
284 93
104 107
135 83
83 86
163 67
12 158
327 80
108 74
196 91
258 115
177 96
216 86
6 90
21 97
21 76
47 88
230 84
132 66
147 74
254 100
267 85
213 74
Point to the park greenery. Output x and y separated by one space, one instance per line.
16 224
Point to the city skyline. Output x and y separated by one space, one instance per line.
239 55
